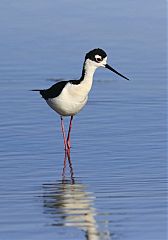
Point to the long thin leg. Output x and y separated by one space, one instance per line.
63 133
64 168
71 169
69 131
65 146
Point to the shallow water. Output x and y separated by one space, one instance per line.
118 140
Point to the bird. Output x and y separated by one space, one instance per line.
67 98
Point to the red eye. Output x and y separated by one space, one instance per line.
98 59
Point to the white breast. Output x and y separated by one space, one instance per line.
71 100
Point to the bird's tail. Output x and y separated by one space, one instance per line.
36 90
42 92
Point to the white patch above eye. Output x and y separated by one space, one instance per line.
98 56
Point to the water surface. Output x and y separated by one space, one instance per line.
118 140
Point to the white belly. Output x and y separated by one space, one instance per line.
67 106
71 100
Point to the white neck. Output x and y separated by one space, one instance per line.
87 74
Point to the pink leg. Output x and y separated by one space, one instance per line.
64 168
69 131
65 145
63 132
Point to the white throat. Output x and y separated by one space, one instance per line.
88 72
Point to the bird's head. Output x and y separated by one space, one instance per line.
98 58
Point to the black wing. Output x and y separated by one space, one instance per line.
53 91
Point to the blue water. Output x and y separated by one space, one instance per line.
118 140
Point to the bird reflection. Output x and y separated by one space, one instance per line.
71 205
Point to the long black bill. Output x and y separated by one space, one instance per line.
113 70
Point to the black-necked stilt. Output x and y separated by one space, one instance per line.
67 98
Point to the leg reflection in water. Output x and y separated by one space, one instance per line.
67 155
71 205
